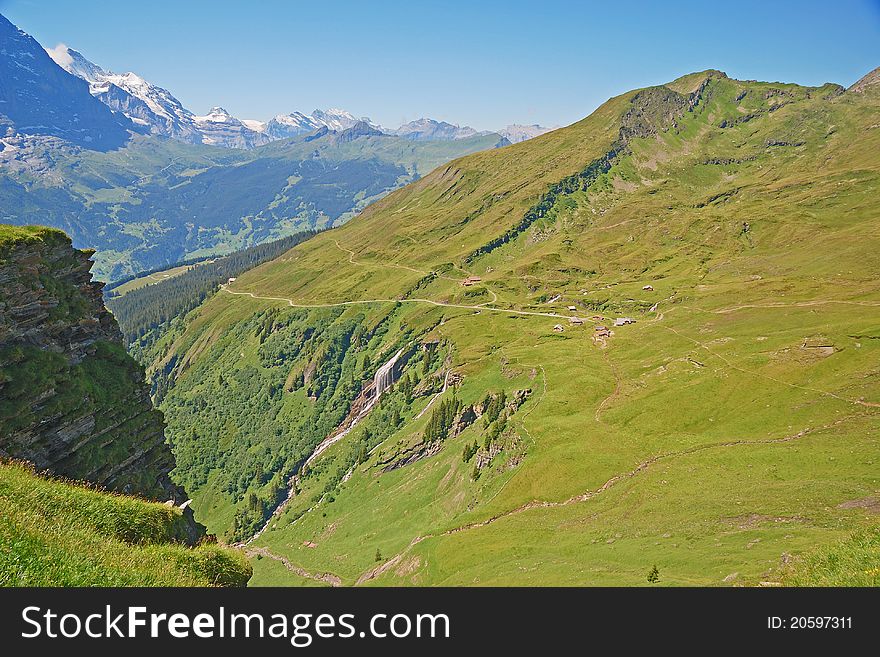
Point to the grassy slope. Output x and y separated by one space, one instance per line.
705 439
851 562
150 279
11 236
55 533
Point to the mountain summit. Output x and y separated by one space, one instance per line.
869 80
141 101
37 97
425 129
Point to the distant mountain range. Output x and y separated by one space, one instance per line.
125 169
157 110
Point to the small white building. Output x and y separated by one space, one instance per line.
558 328
232 279
648 288
622 321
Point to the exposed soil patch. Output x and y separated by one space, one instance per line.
754 520
870 504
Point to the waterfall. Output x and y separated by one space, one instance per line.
385 376
383 380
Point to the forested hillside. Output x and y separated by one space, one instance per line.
143 311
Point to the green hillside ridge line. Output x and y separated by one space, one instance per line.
652 111
736 435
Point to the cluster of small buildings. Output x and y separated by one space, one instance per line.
601 331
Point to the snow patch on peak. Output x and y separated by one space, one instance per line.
60 54
516 132
76 64
426 129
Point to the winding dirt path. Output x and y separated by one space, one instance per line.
797 304
434 398
441 304
614 393
727 362
326 578
372 265
352 261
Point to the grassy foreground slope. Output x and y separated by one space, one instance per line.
851 562
730 429
56 533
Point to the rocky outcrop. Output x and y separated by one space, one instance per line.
359 129
872 79
72 401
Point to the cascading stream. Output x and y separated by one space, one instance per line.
382 380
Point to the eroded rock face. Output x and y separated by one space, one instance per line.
71 399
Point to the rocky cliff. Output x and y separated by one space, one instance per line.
71 400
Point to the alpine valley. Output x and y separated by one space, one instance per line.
628 343
641 349
124 168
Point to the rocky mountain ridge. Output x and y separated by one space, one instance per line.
157 110
39 98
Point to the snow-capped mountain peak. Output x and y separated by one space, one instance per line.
39 98
141 101
255 125
218 127
335 118
516 133
74 62
426 129
216 115
284 126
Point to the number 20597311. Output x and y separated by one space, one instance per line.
810 623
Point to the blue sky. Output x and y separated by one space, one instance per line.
484 64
